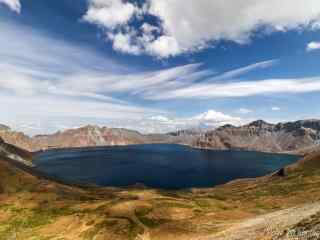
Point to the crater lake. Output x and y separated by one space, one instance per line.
162 166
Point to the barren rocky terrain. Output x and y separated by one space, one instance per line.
294 137
91 136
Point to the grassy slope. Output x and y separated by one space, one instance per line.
33 208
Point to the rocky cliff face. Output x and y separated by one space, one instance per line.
15 153
91 136
297 137
16 138
263 136
88 136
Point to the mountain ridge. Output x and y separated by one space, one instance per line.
297 137
292 137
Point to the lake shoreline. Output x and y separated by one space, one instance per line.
175 165
152 144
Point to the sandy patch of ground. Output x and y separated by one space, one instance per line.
269 226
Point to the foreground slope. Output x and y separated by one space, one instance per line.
33 207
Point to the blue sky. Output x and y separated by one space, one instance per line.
157 66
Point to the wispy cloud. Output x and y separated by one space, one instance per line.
209 79
39 81
241 89
243 70
30 67
135 83
153 85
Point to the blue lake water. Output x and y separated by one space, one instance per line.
160 165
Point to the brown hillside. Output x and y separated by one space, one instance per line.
34 207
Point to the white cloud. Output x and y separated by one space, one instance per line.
164 46
187 26
122 43
109 13
312 46
148 28
14 5
275 109
245 111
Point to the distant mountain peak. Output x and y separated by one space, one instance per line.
260 124
260 135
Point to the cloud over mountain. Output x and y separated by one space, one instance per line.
162 124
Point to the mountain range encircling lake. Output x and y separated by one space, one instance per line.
290 137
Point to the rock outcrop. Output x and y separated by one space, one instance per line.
88 136
297 137
18 139
15 153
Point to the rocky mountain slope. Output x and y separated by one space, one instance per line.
90 136
15 153
16 138
295 137
298 137
87 136
279 206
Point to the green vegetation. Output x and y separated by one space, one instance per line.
24 219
